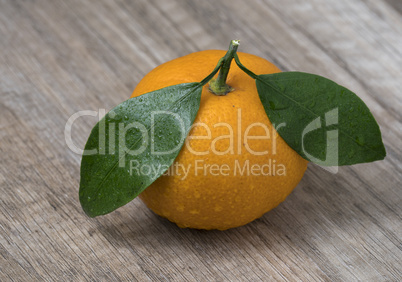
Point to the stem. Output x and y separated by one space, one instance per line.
218 86
243 68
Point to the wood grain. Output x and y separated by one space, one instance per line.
61 57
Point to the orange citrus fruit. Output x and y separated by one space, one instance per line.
234 167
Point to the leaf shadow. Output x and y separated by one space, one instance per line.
309 214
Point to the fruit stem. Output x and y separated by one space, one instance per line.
218 86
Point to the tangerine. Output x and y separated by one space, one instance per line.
233 167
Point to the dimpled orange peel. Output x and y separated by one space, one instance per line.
234 167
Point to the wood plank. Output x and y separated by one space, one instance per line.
61 57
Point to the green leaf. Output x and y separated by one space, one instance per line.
134 144
324 122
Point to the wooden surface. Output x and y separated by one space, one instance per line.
61 57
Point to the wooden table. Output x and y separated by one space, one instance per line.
61 57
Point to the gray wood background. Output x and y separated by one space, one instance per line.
61 57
